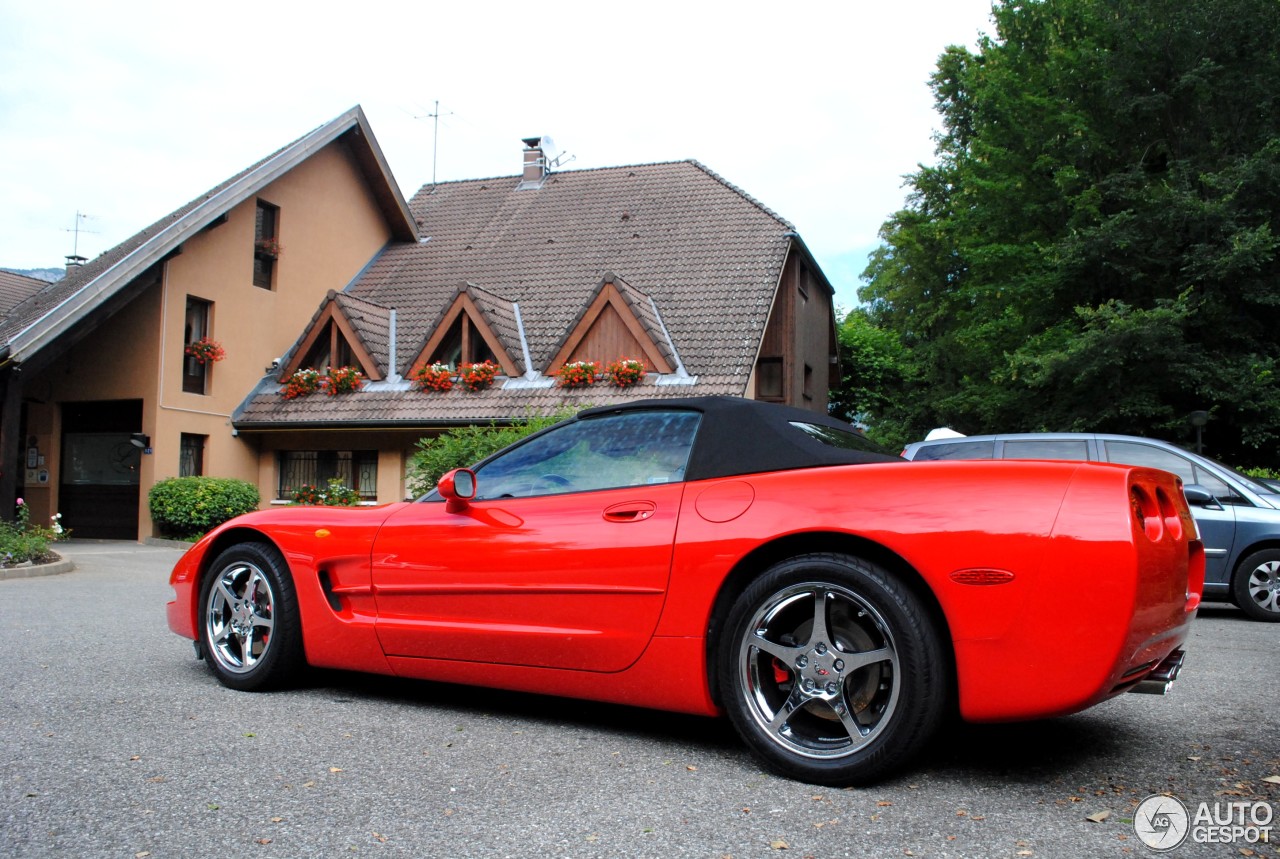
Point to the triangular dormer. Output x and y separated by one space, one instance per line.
475 327
620 322
345 332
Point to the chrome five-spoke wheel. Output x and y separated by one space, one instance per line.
240 617
249 624
832 670
819 669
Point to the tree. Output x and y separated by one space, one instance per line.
1097 246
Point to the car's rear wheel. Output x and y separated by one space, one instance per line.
250 631
832 670
1256 585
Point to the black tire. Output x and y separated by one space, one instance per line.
1255 587
838 696
249 626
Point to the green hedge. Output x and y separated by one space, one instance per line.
188 506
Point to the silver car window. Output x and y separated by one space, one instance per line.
1045 449
956 450
1131 453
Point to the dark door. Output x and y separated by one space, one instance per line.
98 481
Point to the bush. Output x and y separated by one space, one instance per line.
20 541
466 446
186 506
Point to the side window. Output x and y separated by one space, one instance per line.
1132 453
597 453
195 368
1045 449
266 244
956 450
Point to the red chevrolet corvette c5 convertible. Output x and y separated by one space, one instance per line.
725 556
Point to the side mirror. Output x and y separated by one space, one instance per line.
457 488
1198 496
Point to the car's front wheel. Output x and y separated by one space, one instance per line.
250 631
832 670
1256 585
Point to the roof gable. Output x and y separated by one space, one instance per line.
345 324
620 322
40 319
494 319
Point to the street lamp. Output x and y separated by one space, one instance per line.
1198 419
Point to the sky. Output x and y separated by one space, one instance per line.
114 114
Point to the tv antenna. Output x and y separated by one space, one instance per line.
75 229
434 116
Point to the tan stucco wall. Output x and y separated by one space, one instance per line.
329 226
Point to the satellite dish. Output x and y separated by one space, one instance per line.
549 150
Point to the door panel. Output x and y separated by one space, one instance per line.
559 581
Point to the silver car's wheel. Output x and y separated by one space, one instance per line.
248 623
833 672
1256 585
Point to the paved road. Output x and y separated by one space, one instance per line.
115 742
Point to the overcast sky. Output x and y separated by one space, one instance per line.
124 111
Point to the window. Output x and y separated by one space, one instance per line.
608 452
808 382
195 375
1064 449
266 245
330 349
1132 453
357 469
956 450
462 345
191 455
843 439
769 379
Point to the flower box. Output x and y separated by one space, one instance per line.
435 377
577 374
206 350
477 377
624 372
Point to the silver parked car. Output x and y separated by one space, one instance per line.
1238 516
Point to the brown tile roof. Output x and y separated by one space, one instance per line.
16 288
372 323
707 254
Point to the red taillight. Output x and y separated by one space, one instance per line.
1146 512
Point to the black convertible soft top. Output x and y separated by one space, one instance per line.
739 436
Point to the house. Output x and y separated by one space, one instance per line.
667 264
16 288
100 399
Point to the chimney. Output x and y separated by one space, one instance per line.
74 261
535 165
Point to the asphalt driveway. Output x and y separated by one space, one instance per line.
115 741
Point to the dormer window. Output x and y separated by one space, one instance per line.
339 335
462 344
465 333
330 349
266 244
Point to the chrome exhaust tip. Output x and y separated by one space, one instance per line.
1161 678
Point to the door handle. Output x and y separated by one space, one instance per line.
630 511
